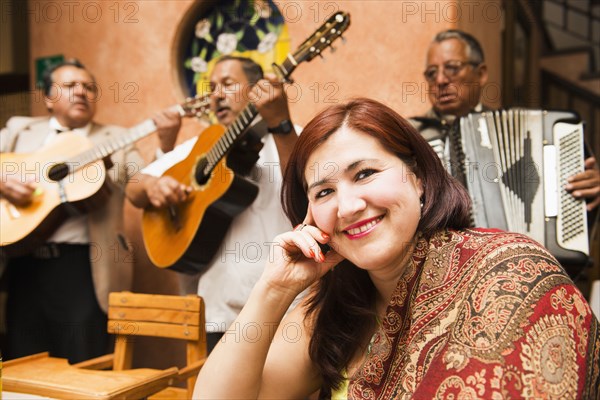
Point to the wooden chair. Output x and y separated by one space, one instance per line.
129 315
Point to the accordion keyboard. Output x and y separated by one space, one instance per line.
517 163
571 216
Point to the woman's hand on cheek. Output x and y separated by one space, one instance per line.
297 261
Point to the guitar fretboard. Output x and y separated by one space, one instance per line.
231 135
111 145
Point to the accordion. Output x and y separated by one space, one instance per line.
517 162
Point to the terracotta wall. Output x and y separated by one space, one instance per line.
128 45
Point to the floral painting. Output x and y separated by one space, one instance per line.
253 29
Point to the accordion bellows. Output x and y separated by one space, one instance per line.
517 163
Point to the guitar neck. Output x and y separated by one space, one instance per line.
132 135
239 126
232 134
111 145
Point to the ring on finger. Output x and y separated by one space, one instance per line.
300 227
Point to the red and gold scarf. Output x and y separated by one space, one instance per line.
483 314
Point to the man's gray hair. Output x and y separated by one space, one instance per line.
474 50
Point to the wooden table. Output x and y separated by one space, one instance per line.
54 377
21 396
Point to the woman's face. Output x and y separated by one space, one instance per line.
365 198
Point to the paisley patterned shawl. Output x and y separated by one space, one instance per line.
483 314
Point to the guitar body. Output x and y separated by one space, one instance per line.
24 227
186 237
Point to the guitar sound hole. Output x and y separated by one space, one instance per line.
201 178
58 172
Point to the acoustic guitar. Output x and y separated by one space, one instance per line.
187 236
70 174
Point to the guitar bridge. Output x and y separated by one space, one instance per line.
174 217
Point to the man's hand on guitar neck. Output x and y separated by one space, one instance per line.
269 98
168 123
17 192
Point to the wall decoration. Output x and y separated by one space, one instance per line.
254 29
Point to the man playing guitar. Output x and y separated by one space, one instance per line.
58 292
226 282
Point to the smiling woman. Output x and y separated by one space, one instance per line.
418 305
369 196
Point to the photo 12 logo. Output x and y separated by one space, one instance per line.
453 12
70 11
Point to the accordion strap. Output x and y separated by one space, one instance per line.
457 155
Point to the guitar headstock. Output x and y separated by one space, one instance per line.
323 37
197 106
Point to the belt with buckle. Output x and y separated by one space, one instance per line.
46 252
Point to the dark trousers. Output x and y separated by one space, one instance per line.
52 305
212 338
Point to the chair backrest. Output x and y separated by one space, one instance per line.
177 317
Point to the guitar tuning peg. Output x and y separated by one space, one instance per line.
343 39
